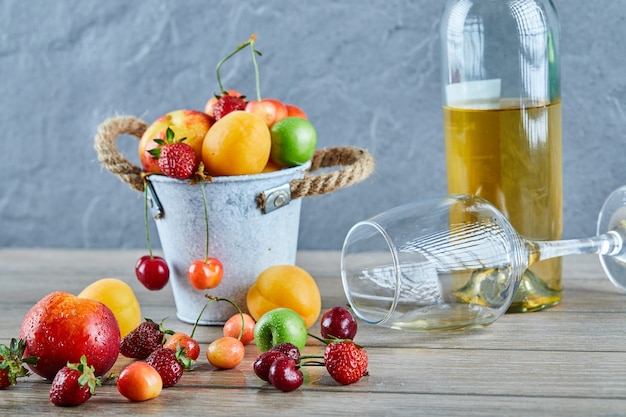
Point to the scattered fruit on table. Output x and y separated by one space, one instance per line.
120 298
237 144
338 323
289 349
345 361
189 345
233 327
284 375
12 361
176 158
139 382
190 124
170 364
278 326
74 384
262 364
285 286
61 327
226 352
293 141
144 340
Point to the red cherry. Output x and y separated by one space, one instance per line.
152 272
288 349
205 273
284 375
337 322
264 362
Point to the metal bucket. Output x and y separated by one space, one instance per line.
253 219
245 239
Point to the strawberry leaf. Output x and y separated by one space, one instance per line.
169 135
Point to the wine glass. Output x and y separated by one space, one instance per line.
455 263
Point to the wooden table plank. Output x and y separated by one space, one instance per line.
568 360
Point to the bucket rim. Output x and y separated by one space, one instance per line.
285 172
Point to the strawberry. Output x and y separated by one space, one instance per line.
74 384
345 361
227 104
143 340
169 364
12 362
176 158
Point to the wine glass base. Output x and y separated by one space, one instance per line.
612 217
533 294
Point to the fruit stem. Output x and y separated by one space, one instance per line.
318 338
227 57
243 322
145 213
206 222
195 325
312 363
256 66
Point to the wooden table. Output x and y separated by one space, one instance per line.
569 360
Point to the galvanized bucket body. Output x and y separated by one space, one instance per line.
245 239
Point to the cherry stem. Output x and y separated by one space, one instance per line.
318 338
256 67
250 42
195 325
243 322
145 210
206 222
312 363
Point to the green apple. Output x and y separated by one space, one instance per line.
279 326
293 141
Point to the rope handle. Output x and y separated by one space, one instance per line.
356 164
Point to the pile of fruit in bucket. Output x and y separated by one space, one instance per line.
233 136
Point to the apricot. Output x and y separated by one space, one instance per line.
120 298
237 144
286 286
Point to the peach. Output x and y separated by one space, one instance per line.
190 124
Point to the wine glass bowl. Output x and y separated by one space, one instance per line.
612 220
456 262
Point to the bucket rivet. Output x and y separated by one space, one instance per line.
279 201
276 198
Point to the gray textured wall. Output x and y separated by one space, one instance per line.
367 73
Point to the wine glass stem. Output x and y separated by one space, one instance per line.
611 243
